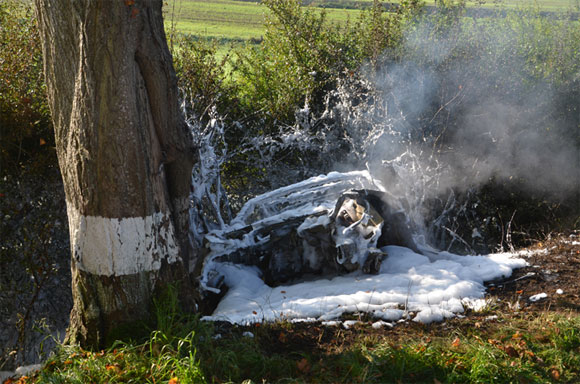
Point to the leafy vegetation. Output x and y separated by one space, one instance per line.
531 347
312 80
24 118
293 102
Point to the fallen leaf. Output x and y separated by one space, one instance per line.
113 367
517 335
174 380
282 291
303 365
254 312
555 374
456 343
511 351
520 291
282 337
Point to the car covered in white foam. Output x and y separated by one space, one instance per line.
330 224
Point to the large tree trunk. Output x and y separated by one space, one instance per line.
125 154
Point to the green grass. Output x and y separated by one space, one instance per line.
243 20
227 19
216 19
530 348
546 5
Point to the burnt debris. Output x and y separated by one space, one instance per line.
341 240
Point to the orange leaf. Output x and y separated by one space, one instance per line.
112 367
520 291
555 374
174 380
128 3
254 312
8 381
282 337
42 141
282 291
456 343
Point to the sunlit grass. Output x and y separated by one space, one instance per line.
237 19
228 19
529 347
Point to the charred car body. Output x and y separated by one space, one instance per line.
329 225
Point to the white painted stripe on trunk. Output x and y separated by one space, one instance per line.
116 247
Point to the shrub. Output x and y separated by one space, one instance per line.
24 117
303 54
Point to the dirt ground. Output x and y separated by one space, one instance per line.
553 265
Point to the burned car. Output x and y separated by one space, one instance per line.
329 225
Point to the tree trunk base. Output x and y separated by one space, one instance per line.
108 308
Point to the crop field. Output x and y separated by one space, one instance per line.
240 20
228 19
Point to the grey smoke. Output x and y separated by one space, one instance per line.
481 118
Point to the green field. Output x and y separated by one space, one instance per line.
228 19
243 20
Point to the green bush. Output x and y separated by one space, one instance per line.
303 54
201 74
24 117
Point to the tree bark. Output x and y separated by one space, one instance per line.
125 154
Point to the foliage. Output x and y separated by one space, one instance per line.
303 54
24 118
168 354
314 95
538 348
201 75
